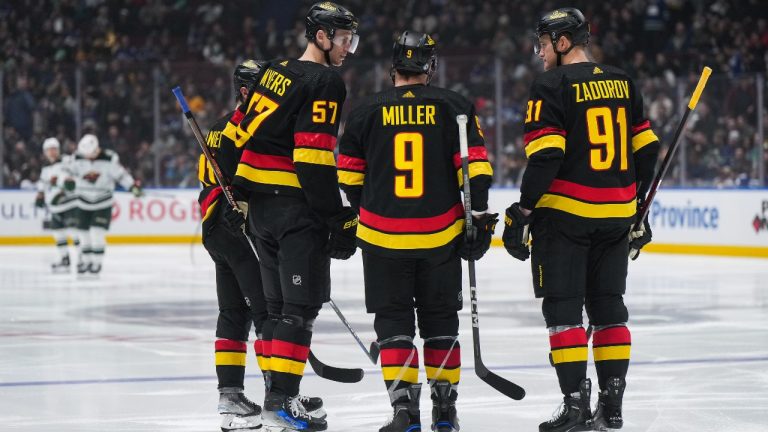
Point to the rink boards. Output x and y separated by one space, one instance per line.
691 221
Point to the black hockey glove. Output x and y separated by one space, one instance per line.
40 200
236 217
342 241
639 236
477 240
515 235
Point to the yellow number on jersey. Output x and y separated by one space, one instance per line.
530 114
320 109
602 136
263 106
413 141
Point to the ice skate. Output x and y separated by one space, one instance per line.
608 411
286 414
313 405
238 412
444 417
574 414
94 269
82 268
406 415
61 266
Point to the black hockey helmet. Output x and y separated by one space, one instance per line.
247 74
414 52
329 16
563 21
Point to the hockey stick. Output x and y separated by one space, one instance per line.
504 386
646 206
349 327
322 370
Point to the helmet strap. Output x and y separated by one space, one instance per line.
326 52
560 54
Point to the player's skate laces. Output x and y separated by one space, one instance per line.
239 413
313 405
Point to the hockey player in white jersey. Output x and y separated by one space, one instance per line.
96 171
60 202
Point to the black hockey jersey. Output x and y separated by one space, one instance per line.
399 164
289 133
221 143
591 150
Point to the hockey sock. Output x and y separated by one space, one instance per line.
263 349
611 349
289 352
98 242
400 366
230 362
569 356
76 241
442 361
85 246
60 237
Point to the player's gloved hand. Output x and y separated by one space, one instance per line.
515 235
342 241
639 235
40 200
53 180
477 240
69 184
136 189
236 217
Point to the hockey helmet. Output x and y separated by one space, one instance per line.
329 16
415 52
247 74
88 146
50 143
563 21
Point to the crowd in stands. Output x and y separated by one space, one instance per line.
107 66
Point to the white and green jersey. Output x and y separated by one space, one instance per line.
95 179
51 183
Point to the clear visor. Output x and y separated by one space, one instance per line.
348 42
538 43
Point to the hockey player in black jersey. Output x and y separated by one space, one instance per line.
288 172
591 156
400 167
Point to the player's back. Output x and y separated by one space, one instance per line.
410 198
590 110
220 142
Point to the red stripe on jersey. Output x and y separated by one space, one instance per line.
435 357
315 140
351 163
612 336
212 196
398 356
230 345
285 349
593 194
237 117
530 136
641 127
569 338
411 225
258 347
258 160
474 154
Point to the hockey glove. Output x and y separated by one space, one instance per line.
40 200
136 189
69 185
639 236
236 217
515 235
342 240
477 240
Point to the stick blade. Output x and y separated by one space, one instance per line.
331 373
503 386
374 352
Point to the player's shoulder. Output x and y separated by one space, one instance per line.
221 123
108 155
452 98
312 73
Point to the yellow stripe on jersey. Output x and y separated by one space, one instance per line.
263 362
547 141
256 175
351 178
450 375
475 169
643 139
410 241
587 210
209 211
314 156
277 364
410 374
618 352
569 355
230 359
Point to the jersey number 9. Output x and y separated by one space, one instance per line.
409 156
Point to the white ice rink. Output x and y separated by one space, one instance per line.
133 350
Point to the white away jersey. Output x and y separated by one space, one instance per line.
95 179
51 183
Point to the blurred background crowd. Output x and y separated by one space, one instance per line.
70 67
